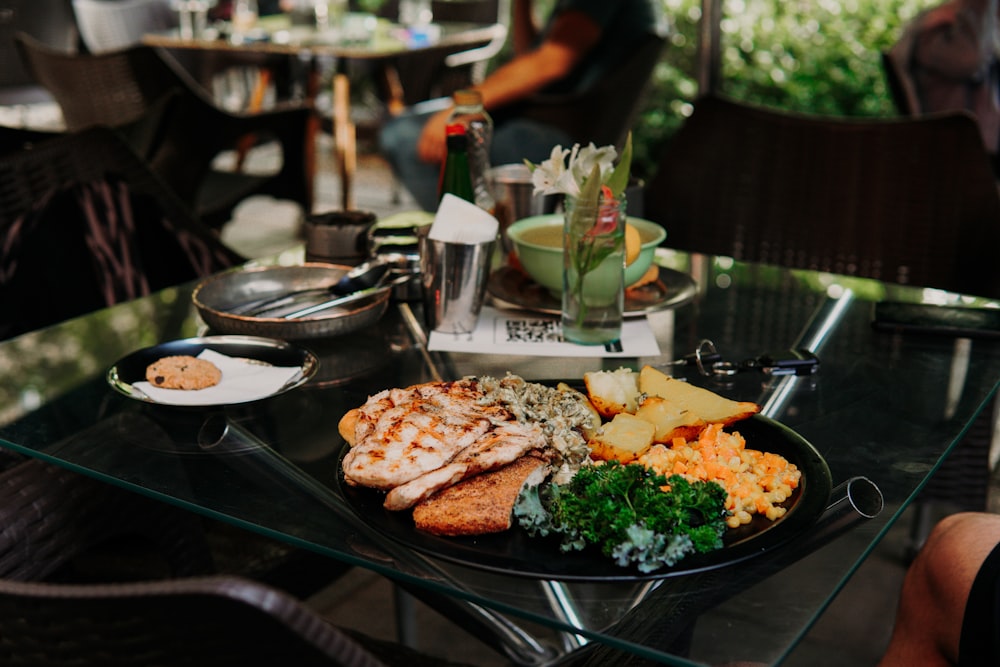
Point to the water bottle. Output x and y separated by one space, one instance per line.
469 112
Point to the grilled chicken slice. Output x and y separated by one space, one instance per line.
505 443
423 438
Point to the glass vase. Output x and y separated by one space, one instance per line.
593 296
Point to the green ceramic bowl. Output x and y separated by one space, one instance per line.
544 262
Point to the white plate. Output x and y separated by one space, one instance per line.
130 370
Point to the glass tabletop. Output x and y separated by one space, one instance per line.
884 407
276 34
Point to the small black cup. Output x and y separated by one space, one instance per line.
338 237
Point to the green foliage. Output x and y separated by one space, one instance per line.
623 510
812 56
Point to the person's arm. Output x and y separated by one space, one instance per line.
572 36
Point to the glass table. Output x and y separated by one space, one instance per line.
884 410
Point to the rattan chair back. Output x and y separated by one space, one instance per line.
903 200
18 138
85 224
49 21
50 516
215 621
110 25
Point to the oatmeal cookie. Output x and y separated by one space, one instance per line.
183 372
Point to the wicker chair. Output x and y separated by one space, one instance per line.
49 21
49 517
107 25
17 138
903 200
85 225
113 25
116 88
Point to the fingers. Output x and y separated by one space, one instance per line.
432 147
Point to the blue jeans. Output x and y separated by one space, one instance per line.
514 140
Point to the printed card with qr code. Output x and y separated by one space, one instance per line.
516 333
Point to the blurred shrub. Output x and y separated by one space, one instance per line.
815 56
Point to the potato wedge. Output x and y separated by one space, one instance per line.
612 392
623 438
707 405
670 419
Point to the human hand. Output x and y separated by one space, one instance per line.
432 146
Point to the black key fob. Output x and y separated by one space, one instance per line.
789 362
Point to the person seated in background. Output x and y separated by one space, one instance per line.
949 608
950 54
581 40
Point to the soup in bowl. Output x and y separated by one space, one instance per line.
537 242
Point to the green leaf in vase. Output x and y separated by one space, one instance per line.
582 216
618 180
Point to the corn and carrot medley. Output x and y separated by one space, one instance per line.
756 482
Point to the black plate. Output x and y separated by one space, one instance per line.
132 368
514 552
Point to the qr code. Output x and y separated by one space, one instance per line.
534 331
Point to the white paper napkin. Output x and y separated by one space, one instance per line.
516 333
242 380
459 221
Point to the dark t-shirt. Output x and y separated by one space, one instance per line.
623 23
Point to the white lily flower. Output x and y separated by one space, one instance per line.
568 184
546 176
604 156
566 170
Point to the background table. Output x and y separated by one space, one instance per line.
387 42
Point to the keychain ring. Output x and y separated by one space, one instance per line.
725 368
706 346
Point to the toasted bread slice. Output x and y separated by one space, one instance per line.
685 397
481 504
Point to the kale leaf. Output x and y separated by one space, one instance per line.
623 510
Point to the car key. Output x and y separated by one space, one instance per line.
789 362
709 362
